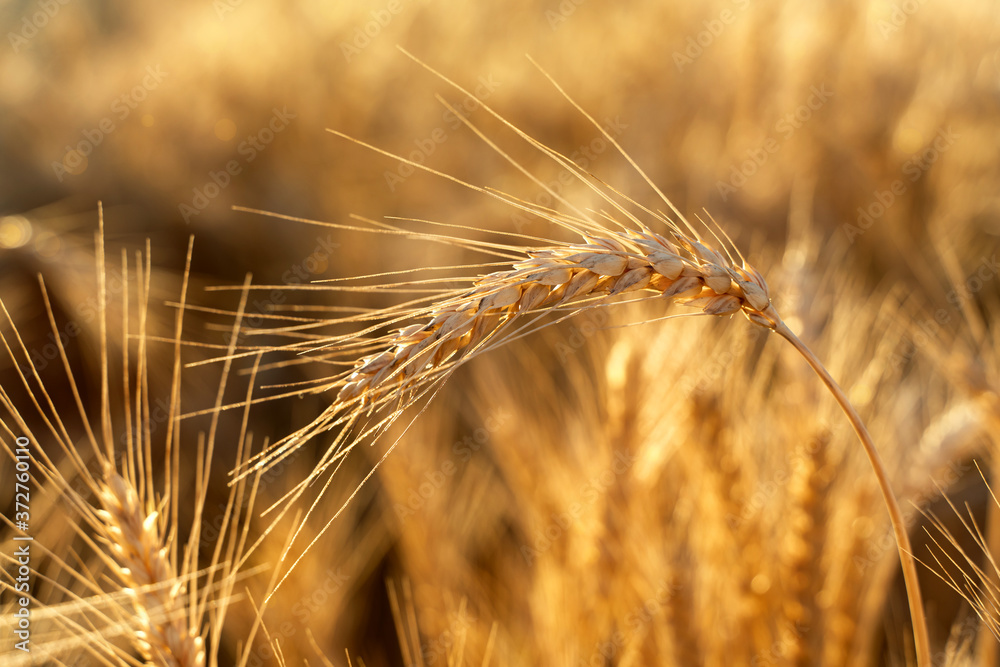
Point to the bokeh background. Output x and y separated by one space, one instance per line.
853 148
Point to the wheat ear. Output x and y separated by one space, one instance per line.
170 607
397 368
143 563
680 268
803 545
605 267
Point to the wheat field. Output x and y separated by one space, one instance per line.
347 334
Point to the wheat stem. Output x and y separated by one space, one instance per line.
402 353
906 559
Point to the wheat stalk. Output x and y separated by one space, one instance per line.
393 370
907 561
168 605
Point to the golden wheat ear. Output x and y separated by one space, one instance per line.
403 353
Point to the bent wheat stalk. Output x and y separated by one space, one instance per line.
906 559
435 334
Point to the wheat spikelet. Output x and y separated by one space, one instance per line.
134 539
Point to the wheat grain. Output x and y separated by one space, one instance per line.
680 268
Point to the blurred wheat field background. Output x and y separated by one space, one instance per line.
601 492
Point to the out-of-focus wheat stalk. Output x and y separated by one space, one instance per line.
968 359
168 603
